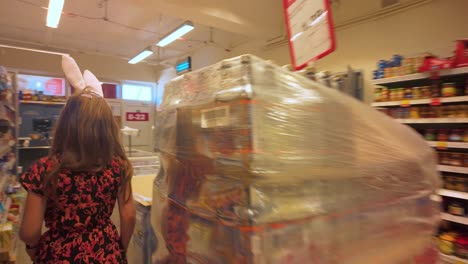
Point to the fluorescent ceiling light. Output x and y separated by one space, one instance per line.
179 32
141 56
54 12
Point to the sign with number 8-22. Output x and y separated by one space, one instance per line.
137 116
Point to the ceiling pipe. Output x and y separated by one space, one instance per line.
48 49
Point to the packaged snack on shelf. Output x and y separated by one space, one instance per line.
449 89
262 165
447 243
456 135
426 92
461 247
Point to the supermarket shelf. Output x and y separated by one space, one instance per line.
36 147
42 102
453 99
452 259
404 78
432 120
454 169
454 218
419 76
443 144
453 194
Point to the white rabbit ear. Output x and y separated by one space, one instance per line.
72 72
93 82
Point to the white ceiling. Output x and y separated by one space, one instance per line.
136 24
132 26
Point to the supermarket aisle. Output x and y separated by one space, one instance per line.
22 257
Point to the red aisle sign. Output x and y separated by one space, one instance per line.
311 34
137 116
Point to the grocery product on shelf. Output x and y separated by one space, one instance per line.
397 66
456 207
448 90
261 165
461 247
384 94
445 134
446 111
447 243
455 182
11 197
459 159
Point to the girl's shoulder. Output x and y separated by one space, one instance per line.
117 165
44 164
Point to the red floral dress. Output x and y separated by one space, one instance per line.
78 216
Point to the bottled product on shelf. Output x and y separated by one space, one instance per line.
445 134
446 89
261 165
457 159
416 112
397 66
11 197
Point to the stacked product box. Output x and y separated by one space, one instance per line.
261 165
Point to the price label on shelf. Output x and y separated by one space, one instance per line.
435 102
441 145
137 116
405 103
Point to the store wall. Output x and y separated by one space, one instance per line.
206 56
201 58
104 67
166 75
427 28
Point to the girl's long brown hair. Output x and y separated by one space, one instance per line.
86 138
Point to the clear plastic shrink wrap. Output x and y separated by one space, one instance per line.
261 165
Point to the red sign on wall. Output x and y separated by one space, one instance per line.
54 87
137 116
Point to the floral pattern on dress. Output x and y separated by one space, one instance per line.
78 215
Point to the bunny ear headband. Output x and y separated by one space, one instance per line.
77 80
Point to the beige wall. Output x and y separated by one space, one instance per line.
431 27
104 67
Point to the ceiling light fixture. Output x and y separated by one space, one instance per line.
141 56
185 28
54 12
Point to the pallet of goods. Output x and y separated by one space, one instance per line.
262 165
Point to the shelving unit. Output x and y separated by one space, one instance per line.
445 145
433 121
454 169
422 123
42 102
454 99
38 147
452 259
454 218
453 194
419 76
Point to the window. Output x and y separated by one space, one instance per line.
137 91
48 85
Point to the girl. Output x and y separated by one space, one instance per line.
75 188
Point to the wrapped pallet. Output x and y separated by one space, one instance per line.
261 165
